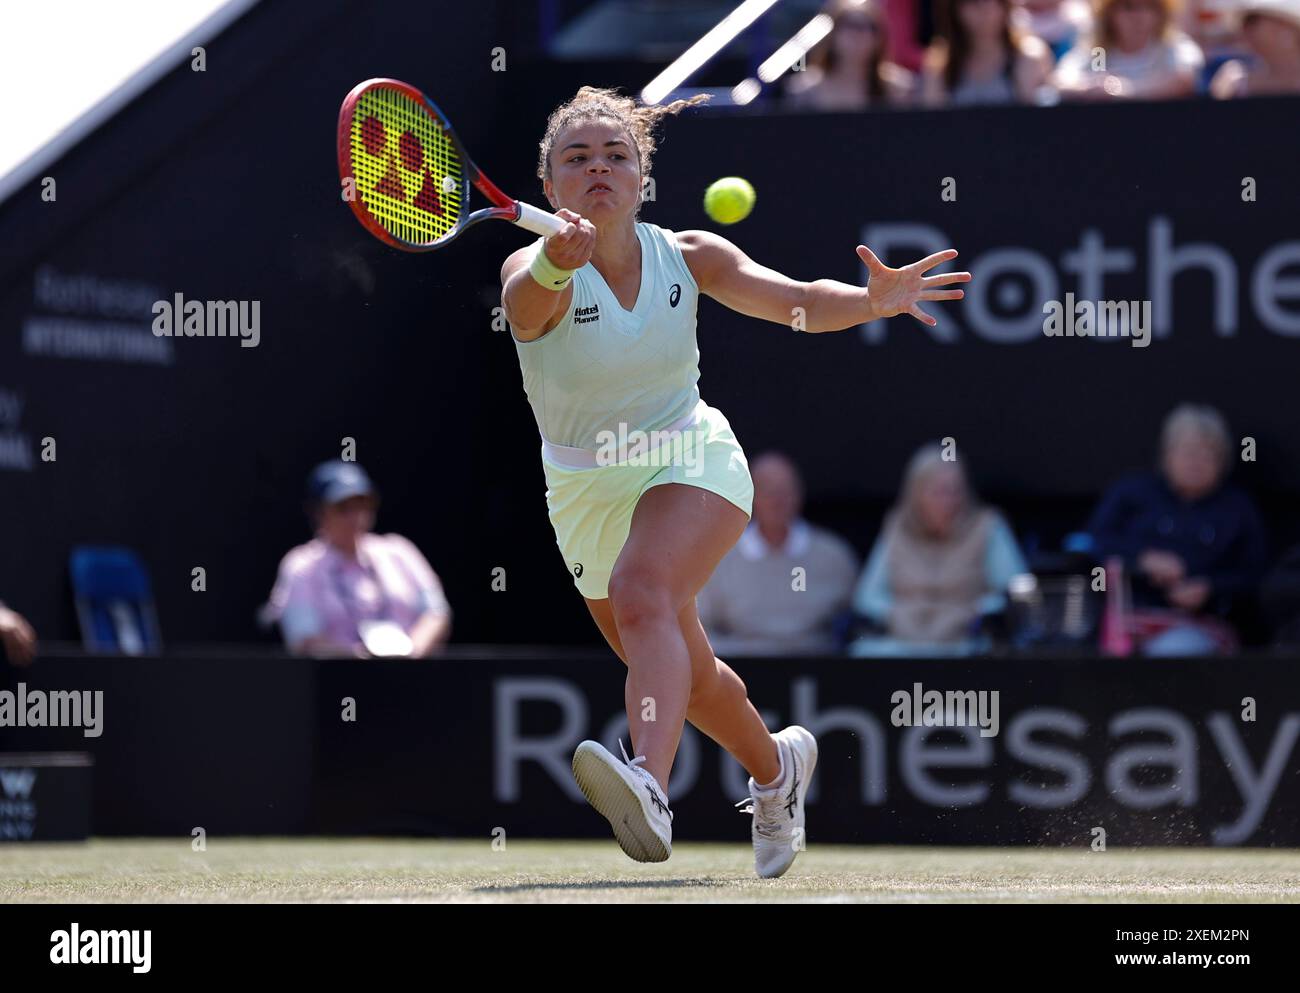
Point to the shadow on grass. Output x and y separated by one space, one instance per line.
630 884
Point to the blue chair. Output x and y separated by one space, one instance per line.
114 599
1078 543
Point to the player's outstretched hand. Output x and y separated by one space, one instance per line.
900 291
572 247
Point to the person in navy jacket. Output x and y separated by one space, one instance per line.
1188 538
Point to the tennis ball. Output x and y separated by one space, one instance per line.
729 200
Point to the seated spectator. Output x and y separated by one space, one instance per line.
17 637
979 58
1136 53
1059 24
848 69
352 592
1190 541
941 564
756 604
1215 26
1271 29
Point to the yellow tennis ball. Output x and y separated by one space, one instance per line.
729 200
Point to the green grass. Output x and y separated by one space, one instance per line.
372 870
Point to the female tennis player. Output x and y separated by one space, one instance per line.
647 486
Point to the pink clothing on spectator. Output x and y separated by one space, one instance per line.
321 592
905 46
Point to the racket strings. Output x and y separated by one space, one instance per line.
408 175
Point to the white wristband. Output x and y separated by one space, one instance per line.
547 273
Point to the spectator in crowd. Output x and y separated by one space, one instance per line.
1215 26
942 563
1136 53
17 637
978 57
781 588
848 70
1271 29
1059 24
349 591
1188 539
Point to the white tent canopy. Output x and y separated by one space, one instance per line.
69 65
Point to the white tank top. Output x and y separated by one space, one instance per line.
603 366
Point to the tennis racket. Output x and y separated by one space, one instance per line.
407 176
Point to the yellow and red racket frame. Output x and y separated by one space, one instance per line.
427 212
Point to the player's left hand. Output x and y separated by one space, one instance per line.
900 291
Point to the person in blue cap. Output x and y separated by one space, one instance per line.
350 591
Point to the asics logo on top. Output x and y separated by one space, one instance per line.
794 786
675 294
656 800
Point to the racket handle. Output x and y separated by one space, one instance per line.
538 221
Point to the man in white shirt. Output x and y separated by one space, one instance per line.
778 591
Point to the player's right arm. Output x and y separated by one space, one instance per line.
531 308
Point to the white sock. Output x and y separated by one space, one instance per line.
779 781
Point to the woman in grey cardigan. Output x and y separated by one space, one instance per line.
941 562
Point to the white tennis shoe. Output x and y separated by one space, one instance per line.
778 828
627 796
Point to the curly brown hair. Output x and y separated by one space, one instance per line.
595 104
